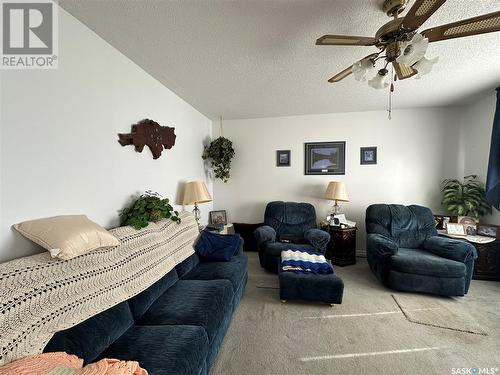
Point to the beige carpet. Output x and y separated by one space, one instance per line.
368 334
428 310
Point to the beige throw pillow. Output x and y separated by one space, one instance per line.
68 236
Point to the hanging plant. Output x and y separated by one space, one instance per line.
467 198
149 207
220 152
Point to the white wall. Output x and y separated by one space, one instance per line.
477 127
59 152
416 150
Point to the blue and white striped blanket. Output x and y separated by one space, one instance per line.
305 262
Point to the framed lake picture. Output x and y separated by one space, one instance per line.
324 158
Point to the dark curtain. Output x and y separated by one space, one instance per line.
493 179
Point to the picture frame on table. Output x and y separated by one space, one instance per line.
456 229
442 221
283 158
368 155
488 230
217 217
324 158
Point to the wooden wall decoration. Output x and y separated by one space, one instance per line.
149 133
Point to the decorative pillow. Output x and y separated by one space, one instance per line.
67 237
217 247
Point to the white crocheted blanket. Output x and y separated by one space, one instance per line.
40 295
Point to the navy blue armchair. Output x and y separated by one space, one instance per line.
288 225
405 252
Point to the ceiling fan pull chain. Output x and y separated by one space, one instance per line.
390 94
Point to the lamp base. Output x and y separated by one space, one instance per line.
336 208
197 215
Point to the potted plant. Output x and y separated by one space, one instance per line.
149 207
220 152
467 198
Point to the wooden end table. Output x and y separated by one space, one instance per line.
341 249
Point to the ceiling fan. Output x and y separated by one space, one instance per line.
401 45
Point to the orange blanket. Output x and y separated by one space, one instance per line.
61 363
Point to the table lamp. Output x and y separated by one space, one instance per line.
336 192
196 192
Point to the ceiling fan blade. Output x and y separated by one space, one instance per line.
348 71
403 71
345 40
486 23
339 77
420 12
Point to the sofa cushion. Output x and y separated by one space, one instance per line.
421 262
91 337
217 247
163 350
187 265
140 303
290 219
234 271
201 303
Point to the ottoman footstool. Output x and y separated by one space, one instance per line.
327 288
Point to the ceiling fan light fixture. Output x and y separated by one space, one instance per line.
361 68
379 82
424 66
413 50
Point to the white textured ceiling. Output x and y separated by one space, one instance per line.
257 58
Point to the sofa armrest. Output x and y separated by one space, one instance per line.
317 238
458 250
381 246
264 234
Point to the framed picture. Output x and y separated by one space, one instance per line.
467 220
368 155
218 217
324 158
455 229
438 221
488 230
442 221
283 158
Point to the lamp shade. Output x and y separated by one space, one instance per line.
336 191
196 192
380 80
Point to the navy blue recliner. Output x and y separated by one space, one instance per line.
405 252
288 225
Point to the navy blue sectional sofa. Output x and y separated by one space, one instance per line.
176 326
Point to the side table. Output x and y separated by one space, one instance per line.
487 264
341 249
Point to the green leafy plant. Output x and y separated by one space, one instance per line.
220 152
149 207
467 198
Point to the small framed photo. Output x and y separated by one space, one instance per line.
368 155
327 158
218 217
488 230
283 158
446 220
455 229
438 221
